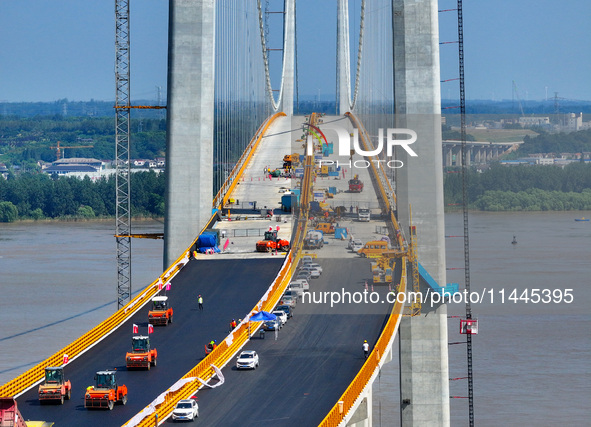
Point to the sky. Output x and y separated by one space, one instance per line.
51 50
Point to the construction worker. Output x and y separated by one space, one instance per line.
365 348
200 301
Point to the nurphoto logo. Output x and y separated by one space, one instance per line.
388 142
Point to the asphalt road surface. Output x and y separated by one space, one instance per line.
303 373
230 289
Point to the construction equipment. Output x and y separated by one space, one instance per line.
355 185
59 148
383 270
272 242
291 160
378 249
141 355
105 393
363 215
161 313
314 240
55 387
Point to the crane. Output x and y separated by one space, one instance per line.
59 147
516 93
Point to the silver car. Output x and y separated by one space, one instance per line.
313 265
289 300
314 272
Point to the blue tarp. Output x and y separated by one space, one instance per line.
262 316
340 233
207 240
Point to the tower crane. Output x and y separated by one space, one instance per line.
59 148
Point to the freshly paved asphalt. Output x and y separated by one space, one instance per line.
230 289
303 373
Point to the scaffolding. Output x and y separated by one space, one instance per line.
122 159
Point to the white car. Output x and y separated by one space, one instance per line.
314 272
281 316
355 246
299 287
186 410
248 359
313 265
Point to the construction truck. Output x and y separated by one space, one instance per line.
141 355
325 227
54 387
314 240
383 270
291 160
355 185
9 413
106 392
161 313
272 243
363 214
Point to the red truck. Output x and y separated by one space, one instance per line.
9 413
355 185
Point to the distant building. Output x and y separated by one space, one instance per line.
74 166
92 168
573 122
534 121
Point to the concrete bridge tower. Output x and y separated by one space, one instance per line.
423 339
190 106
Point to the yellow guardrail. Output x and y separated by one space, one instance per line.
219 357
222 354
366 145
29 378
353 392
224 193
375 359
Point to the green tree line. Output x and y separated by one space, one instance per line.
39 196
523 188
573 142
24 141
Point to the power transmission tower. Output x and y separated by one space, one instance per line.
122 160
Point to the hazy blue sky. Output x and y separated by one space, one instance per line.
54 49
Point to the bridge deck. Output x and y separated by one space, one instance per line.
304 372
230 289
